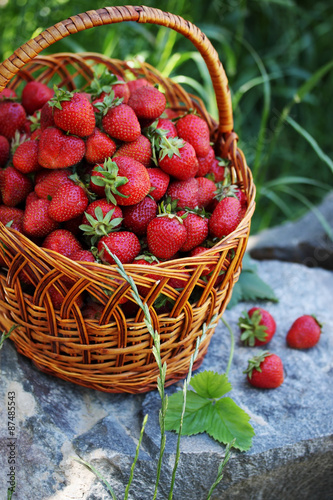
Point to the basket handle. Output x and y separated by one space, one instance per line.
110 15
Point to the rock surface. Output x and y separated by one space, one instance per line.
305 241
292 451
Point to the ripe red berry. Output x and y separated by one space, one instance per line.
194 130
225 217
12 118
59 150
75 115
69 201
4 150
304 333
257 326
125 245
165 236
36 221
63 242
265 371
35 95
14 186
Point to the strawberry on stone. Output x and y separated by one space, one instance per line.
58 150
73 113
36 221
99 147
35 95
194 130
14 186
69 201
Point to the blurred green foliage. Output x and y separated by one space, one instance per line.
278 58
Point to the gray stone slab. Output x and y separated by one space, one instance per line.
304 241
292 451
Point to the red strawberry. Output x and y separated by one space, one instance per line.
83 256
25 158
206 191
137 217
73 225
11 215
218 169
166 124
197 230
140 150
304 332
59 150
265 371
7 94
99 147
194 130
49 182
205 162
159 181
12 118
100 218
46 117
35 95
69 201
136 84
197 251
14 186
225 217
73 113
36 221
186 192
124 245
182 163
147 102
63 242
122 123
165 236
30 198
257 326
4 150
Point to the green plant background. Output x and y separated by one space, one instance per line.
278 59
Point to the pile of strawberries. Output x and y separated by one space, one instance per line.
112 170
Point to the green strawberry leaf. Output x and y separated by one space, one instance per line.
230 422
250 286
207 411
210 385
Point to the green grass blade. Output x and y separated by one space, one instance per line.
325 224
313 143
135 458
97 474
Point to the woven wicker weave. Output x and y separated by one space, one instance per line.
114 353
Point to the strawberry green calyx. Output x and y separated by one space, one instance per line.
251 328
109 101
103 83
109 179
170 146
317 321
148 257
100 226
60 95
169 210
255 362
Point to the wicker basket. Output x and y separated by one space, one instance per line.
114 353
